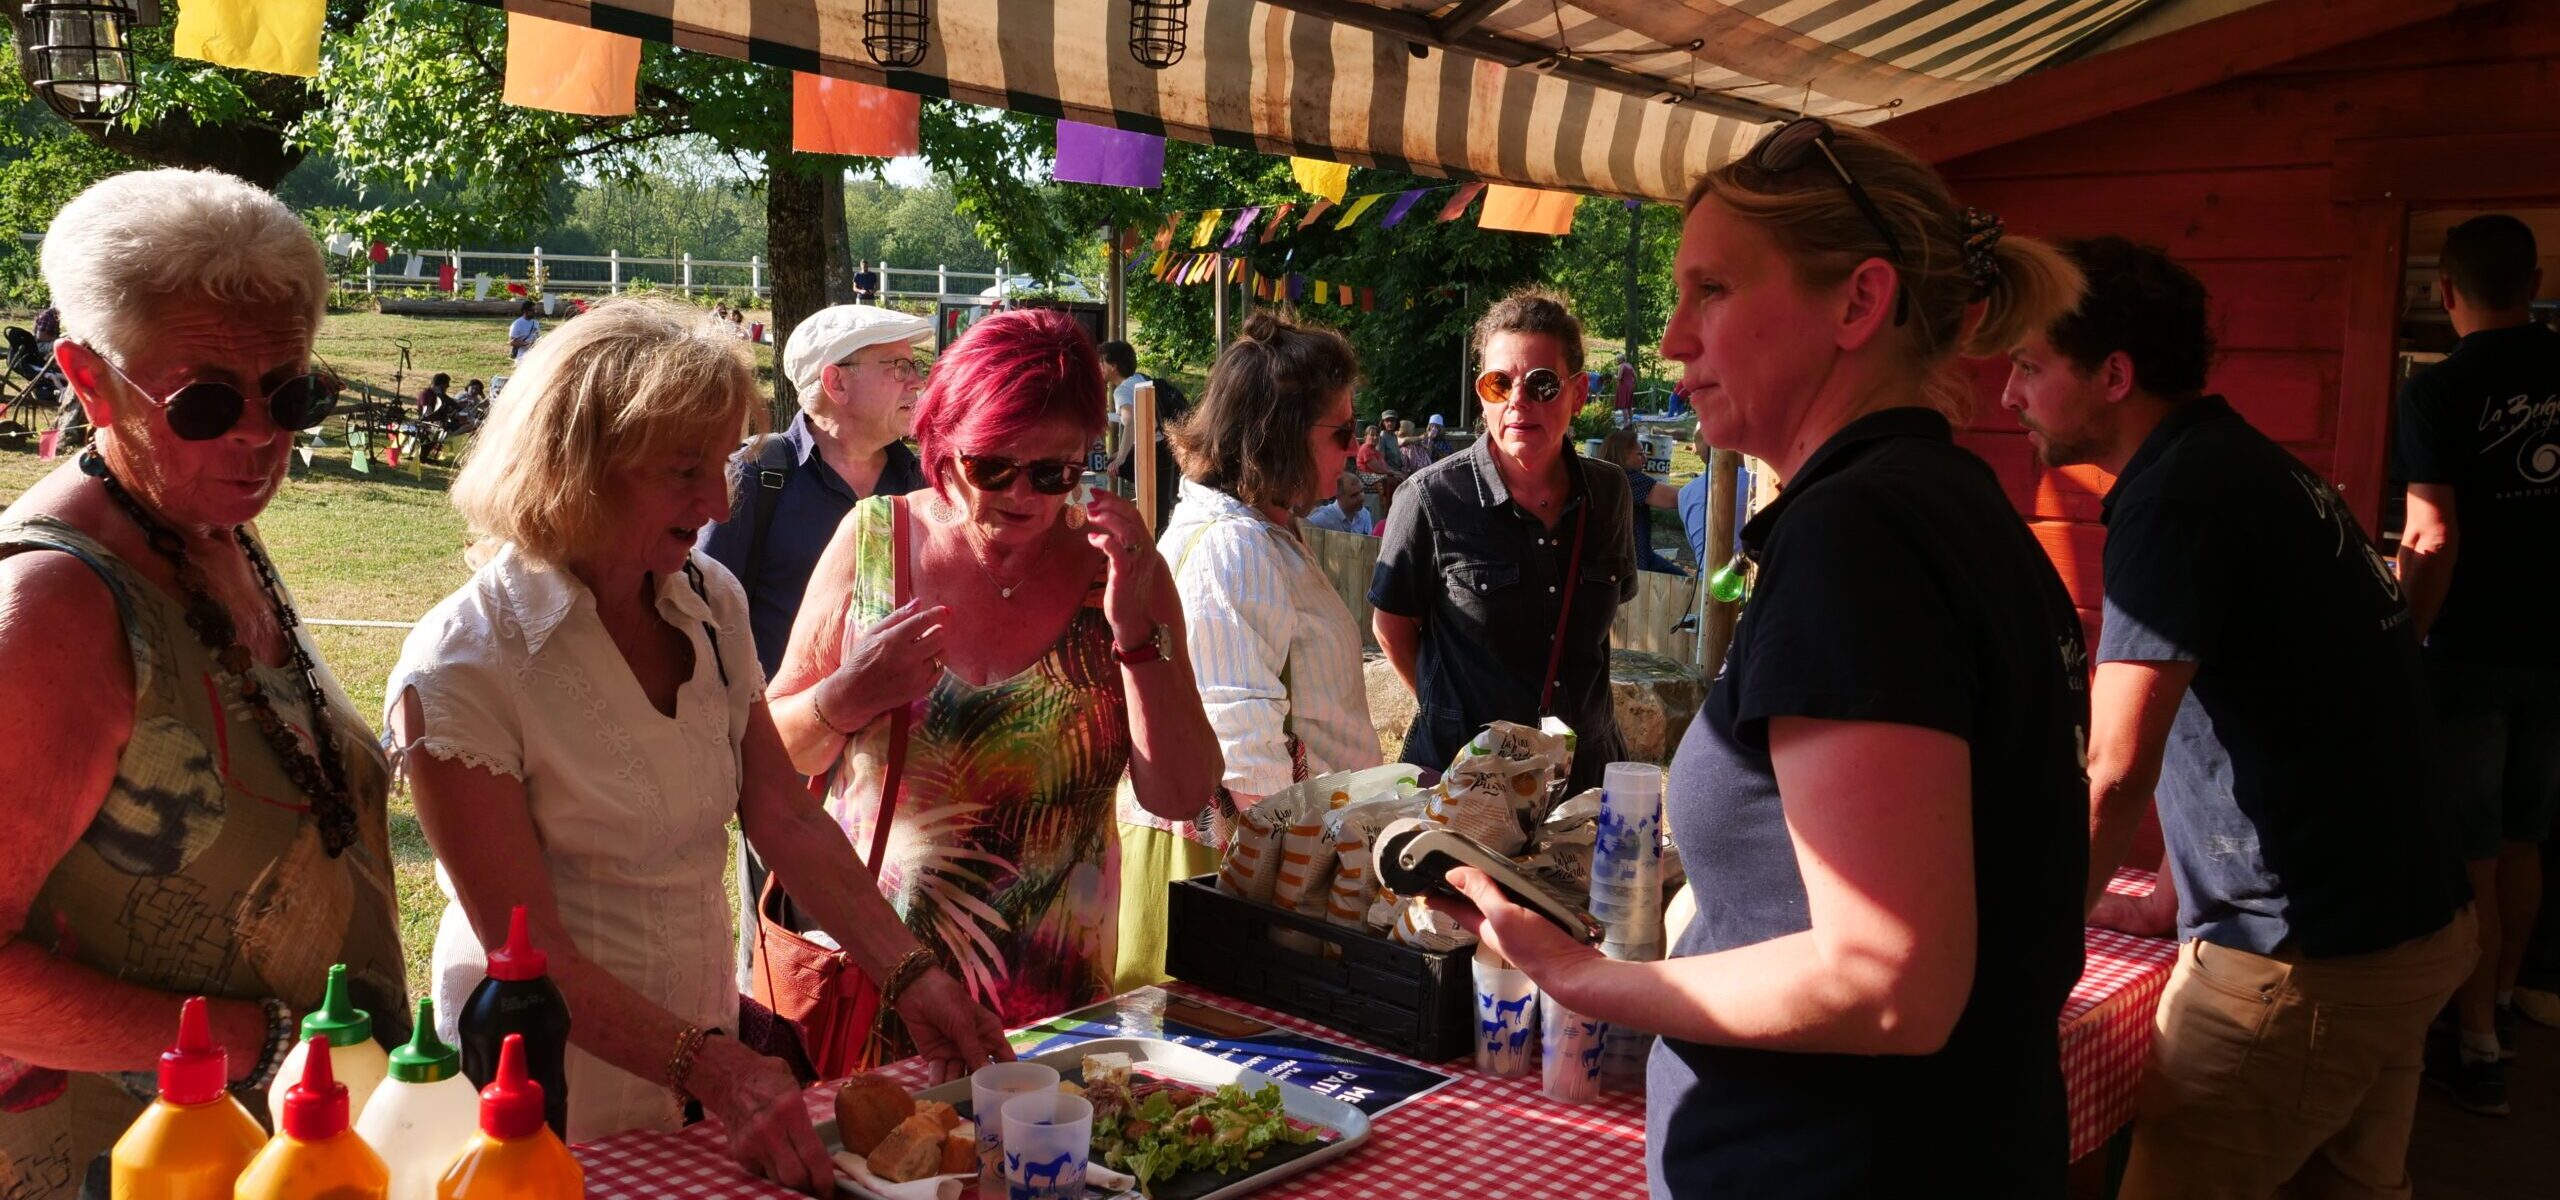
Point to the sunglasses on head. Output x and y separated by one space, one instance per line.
207 409
1796 144
1049 477
1538 383
1344 436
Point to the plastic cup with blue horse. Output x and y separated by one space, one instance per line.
1048 1139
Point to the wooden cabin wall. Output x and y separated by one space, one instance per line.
2235 180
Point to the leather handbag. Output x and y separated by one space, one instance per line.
835 1005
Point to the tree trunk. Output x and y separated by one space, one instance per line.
839 242
796 245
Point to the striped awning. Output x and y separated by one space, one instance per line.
1616 97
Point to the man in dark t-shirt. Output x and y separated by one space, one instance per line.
2479 446
2258 677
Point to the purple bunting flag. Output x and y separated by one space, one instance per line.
1404 204
1243 226
1110 157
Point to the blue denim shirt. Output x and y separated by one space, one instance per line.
813 502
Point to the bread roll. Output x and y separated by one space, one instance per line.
943 1115
911 1152
867 1108
960 1150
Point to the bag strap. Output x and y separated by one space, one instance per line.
1572 583
903 576
769 468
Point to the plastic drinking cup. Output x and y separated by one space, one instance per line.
1506 1019
1048 1137
989 1088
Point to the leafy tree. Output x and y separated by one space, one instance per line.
1590 265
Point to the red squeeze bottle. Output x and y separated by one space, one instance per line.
519 998
315 1156
514 1156
194 1140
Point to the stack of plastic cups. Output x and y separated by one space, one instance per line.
1626 898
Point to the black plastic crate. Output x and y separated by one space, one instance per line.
1413 1002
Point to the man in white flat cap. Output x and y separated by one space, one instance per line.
855 370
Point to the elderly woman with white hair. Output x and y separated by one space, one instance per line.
188 803
582 720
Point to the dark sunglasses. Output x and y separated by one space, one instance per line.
1794 145
1049 477
205 410
1344 436
1541 384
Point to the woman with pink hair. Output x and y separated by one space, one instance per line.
975 666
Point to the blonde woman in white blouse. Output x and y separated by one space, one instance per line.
583 719
1275 651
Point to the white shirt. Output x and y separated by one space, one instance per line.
1329 515
1254 599
517 675
520 334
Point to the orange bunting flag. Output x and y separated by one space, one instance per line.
568 68
1457 204
1164 236
1368 299
1272 230
1358 207
1235 271
848 116
1342 295
1314 211
1527 210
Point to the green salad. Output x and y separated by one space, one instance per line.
1161 1132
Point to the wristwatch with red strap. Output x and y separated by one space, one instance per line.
1148 651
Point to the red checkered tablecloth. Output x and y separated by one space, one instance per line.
1547 1148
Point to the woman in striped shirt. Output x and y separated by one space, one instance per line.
1275 651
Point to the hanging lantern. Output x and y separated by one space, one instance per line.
896 32
1158 30
76 57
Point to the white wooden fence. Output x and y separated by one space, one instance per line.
613 271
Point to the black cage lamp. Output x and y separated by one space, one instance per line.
896 32
78 59
1158 30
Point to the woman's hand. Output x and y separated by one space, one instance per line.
1113 526
895 660
2141 916
758 1104
1531 942
950 1030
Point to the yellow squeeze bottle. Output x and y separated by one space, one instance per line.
193 1141
315 1156
515 1156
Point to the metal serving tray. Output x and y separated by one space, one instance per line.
1178 1062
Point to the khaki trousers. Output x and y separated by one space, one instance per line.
2267 1073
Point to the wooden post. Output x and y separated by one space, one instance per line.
1142 451
1715 621
1115 284
684 278
1218 304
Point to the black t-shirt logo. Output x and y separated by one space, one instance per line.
2533 426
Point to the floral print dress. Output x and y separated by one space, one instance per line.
1003 856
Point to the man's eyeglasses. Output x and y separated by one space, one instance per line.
1794 145
903 368
1344 436
1049 477
1538 383
207 409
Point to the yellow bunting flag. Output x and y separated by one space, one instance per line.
1358 207
1235 271
1323 290
1208 226
279 36
1526 210
568 68
1320 178
848 116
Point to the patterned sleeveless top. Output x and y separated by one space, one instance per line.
202 874
1004 855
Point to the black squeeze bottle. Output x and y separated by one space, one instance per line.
518 997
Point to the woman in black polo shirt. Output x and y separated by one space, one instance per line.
1881 807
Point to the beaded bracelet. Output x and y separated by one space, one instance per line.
282 1030
904 974
680 1064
